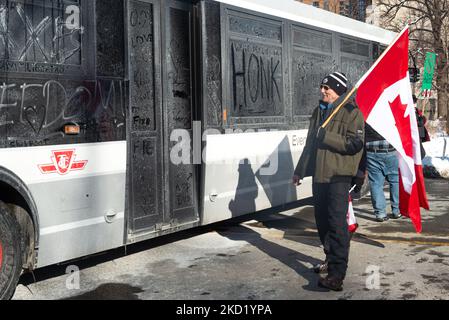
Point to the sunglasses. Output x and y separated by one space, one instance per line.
324 87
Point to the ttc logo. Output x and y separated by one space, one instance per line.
63 163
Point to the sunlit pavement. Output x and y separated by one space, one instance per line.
266 258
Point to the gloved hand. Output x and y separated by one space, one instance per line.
296 180
358 182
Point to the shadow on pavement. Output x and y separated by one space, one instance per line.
292 259
110 291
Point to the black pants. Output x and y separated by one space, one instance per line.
331 202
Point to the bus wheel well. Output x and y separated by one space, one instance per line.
19 208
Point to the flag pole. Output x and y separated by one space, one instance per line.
363 78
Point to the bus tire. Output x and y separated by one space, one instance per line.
10 253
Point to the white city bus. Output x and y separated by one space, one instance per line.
95 96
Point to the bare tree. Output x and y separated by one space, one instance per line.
429 27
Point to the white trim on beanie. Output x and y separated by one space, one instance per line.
341 75
335 76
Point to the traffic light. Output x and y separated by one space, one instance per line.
414 74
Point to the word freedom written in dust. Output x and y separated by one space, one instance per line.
225 310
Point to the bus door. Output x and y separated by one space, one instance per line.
179 111
161 194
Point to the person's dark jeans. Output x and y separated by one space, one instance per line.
331 201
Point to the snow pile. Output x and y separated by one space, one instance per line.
436 162
436 128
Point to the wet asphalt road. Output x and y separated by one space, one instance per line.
265 258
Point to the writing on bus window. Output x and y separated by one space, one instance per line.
179 71
33 113
308 69
142 89
255 28
257 84
144 157
142 19
52 35
213 84
213 103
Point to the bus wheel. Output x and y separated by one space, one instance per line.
10 254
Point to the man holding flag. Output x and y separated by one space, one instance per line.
384 96
332 156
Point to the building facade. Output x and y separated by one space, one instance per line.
355 9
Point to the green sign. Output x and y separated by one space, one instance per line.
429 70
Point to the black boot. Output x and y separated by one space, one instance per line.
331 282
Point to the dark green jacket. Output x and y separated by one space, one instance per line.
336 151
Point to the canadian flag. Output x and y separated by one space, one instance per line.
350 217
384 96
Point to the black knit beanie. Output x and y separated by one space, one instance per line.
337 81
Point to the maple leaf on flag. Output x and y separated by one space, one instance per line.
403 124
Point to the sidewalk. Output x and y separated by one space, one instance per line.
267 257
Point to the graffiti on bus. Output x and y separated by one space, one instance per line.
53 38
36 112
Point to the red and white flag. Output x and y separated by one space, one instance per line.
384 95
350 218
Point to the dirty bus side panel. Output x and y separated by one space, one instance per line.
181 104
54 74
162 192
146 209
270 70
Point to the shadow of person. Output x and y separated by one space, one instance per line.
299 227
247 191
245 202
275 175
297 261
361 238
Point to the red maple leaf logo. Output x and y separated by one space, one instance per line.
403 124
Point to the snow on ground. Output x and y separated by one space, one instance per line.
436 162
